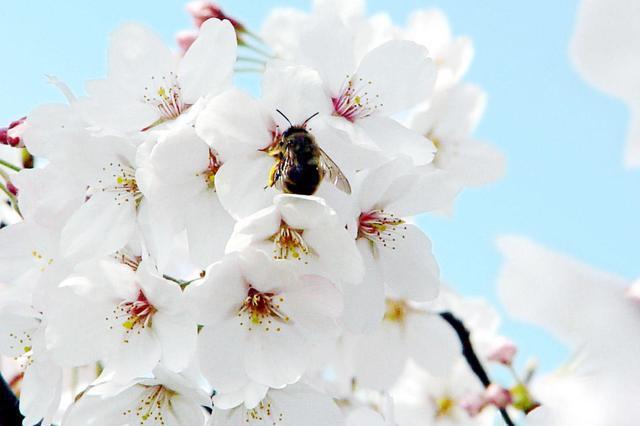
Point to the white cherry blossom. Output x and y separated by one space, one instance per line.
147 84
260 320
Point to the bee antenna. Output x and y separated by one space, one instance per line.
309 119
285 117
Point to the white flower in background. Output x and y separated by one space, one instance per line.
449 121
292 405
604 50
148 84
406 332
22 337
588 310
422 399
452 56
260 320
164 399
129 319
178 179
305 230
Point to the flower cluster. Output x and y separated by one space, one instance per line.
186 252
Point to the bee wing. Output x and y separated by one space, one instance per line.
333 172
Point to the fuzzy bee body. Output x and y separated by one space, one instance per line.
301 165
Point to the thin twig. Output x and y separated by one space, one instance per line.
9 165
471 357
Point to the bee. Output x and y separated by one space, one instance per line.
301 164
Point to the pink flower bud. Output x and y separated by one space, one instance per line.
185 39
12 135
12 188
497 395
473 404
202 10
503 352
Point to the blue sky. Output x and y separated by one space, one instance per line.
565 187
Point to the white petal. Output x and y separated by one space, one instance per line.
235 124
177 335
295 90
327 46
401 73
276 358
302 212
395 139
302 405
432 343
209 227
410 269
241 184
221 351
364 303
219 295
380 357
135 54
100 227
313 306
207 67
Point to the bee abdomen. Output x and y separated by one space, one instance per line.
302 179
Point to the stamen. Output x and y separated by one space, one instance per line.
289 242
134 316
263 411
121 183
396 310
355 101
152 404
209 174
380 227
166 95
262 311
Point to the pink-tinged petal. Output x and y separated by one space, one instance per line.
207 67
408 265
401 74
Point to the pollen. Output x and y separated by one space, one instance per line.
288 243
120 180
444 407
153 403
133 316
396 311
209 174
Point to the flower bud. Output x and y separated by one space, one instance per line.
202 10
185 39
12 189
473 404
12 135
503 352
497 395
